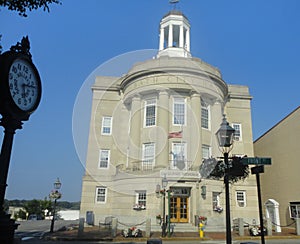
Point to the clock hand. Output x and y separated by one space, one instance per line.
24 90
31 86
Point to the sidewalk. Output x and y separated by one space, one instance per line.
95 234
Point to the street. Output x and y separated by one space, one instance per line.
37 228
285 241
32 232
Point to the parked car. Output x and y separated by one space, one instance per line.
34 217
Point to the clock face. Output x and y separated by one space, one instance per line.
24 84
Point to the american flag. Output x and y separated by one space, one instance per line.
175 134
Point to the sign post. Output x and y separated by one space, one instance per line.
257 170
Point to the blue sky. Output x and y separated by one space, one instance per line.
254 43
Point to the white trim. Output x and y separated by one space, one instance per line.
137 194
241 203
96 194
149 102
110 126
108 158
173 112
240 138
183 145
146 159
204 146
208 108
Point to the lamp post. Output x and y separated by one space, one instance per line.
164 183
55 194
225 140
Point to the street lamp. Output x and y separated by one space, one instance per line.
164 183
55 194
225 140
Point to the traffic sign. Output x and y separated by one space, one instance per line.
256 161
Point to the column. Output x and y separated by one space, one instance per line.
170 44
196 131
181 41
188 40
135 131
216 114
161 38
162 142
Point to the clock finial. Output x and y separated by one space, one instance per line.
22 47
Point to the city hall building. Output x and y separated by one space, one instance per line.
150 131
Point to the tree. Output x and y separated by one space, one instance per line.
22 6
37 206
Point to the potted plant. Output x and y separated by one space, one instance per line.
218 209
203 220
138 207
158 219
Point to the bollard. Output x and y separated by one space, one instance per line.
201 230
241 226
269 227
114 226
81 227
297 226
148 228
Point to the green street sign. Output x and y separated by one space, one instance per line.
256 161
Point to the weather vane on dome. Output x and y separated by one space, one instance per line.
174 2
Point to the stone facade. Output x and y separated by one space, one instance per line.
159 121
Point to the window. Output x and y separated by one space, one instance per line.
101 193
141 198
179 156
104 158
294 210
216 200
205 116
176 32
206 151
148 156
150 112
179 111
241 198
237 135
106 125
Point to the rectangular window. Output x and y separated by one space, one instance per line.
101 193
106 126
179 159
237 136
104 158
150 112
179 111
216 201
206 152
241 198
148 156
205 116
141 198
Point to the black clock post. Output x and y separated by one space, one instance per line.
7 225
20 93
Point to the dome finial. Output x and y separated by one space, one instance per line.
174 3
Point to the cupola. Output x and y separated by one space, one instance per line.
174 39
